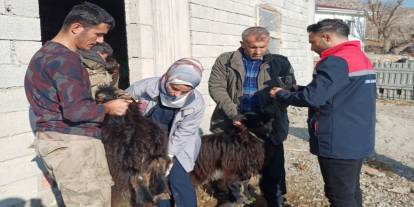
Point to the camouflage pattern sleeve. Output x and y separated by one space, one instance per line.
73 90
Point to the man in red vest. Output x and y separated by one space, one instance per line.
341 101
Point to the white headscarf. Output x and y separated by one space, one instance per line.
186 71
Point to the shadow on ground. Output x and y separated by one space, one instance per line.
378 161
18 202
56 192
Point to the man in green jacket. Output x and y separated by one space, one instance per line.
239 84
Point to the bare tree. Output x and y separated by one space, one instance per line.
397 48
383 17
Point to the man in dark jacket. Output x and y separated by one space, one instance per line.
341 101
239 83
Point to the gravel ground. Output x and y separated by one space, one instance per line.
387 178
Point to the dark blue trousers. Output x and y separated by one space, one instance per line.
341 179
273 180
182 189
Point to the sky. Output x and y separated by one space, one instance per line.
408 3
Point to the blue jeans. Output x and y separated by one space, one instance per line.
182 189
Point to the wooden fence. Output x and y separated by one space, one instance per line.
395 80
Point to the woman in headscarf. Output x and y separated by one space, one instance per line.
173 102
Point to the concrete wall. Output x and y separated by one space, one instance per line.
138 14
157 35
20 178
216 27
160 32
297 15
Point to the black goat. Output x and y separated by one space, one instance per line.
136 149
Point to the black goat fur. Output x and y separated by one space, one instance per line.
136 149
238 155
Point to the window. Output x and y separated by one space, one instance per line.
351 24
271 19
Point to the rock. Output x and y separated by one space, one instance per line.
300 165
372 171
401 190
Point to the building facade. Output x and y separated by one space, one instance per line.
149 36
353 17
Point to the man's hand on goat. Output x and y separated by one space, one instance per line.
274 91
238 124
116 107
237 121
123 95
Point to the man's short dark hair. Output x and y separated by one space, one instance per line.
330 25
88 15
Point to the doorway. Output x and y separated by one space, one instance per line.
52 13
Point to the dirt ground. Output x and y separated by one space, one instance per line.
387 177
